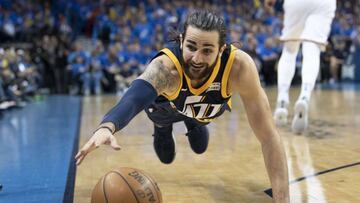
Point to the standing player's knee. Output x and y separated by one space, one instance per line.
311 49
292 47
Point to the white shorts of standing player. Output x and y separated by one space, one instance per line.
308 20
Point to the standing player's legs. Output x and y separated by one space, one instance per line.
309 73
286 71
315 34
294 23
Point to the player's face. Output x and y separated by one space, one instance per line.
200 51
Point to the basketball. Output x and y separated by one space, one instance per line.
126 185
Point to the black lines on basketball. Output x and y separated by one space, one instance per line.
103 187
155 186
132 190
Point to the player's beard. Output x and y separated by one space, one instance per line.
198 71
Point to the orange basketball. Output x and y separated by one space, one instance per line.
126 185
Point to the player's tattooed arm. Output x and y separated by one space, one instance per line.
162 74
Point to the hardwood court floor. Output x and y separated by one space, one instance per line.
232 169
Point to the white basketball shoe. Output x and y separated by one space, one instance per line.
281 114
300 120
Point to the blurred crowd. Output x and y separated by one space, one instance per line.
89 47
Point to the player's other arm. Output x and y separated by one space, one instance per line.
159 77
244 80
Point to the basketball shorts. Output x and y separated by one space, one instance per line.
308 20
162 113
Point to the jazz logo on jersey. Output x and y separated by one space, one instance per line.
194 108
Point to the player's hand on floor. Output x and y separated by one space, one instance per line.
101 136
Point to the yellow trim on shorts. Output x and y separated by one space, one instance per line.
225 77
174 59
206 85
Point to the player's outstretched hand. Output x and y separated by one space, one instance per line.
101 136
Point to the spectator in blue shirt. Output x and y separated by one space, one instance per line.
268 56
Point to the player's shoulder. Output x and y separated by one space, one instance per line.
243 72
242 60
169 56
162 74
165 61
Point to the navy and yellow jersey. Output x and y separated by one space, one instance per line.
209 100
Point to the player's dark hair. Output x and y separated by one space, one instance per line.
204 20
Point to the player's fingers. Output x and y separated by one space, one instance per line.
114 144
80 156
88 147
80 159
77 156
